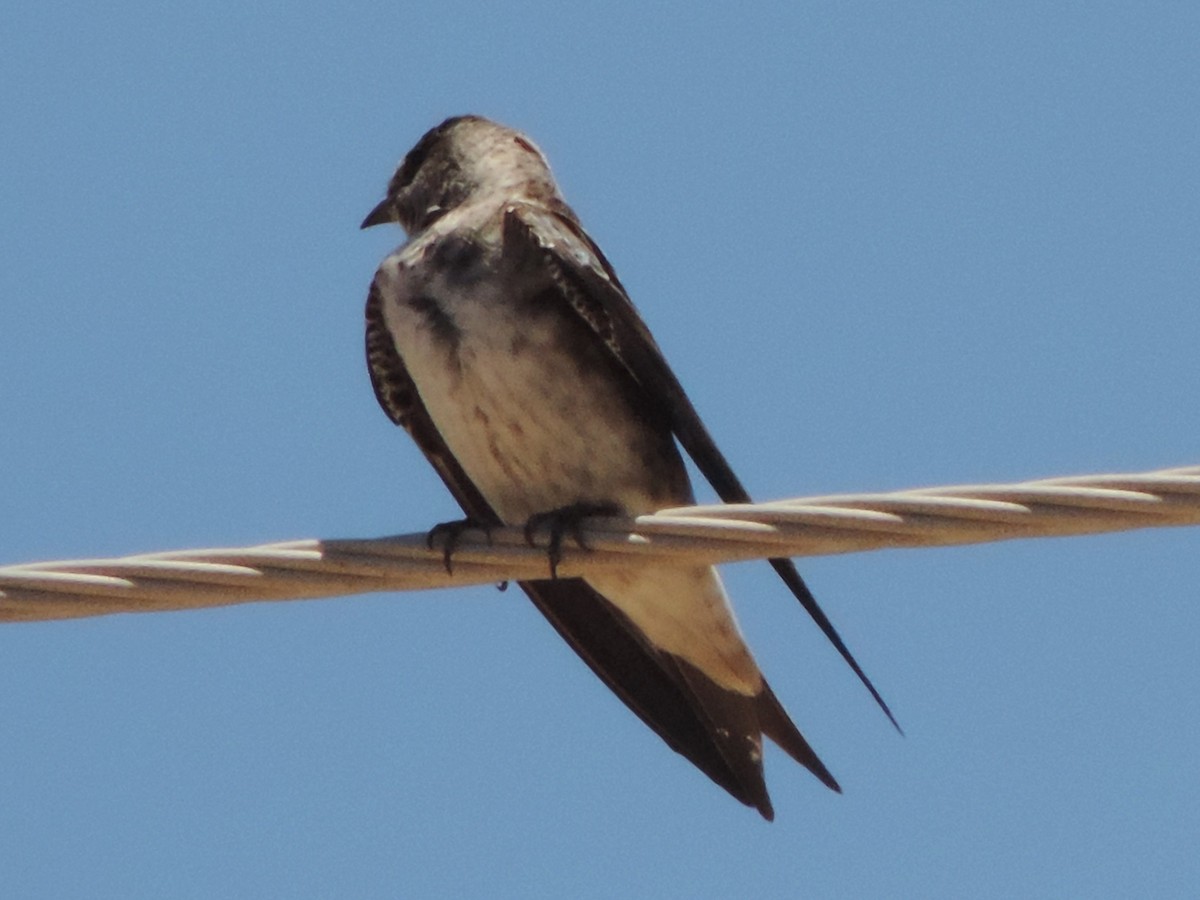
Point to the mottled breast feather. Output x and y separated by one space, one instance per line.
397 395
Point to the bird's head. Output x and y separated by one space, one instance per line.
465 159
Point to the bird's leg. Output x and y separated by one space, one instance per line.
450 533
564 520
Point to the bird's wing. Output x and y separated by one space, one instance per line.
553 238
718 730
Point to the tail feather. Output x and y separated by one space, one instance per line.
718 729
734 730
778 726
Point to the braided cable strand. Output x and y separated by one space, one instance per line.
811 526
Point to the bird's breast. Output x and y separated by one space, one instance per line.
534 412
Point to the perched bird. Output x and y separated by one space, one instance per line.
501 340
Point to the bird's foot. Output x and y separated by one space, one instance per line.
562 521
450 533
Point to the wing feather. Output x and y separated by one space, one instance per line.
554 237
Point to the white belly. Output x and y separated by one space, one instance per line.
533 429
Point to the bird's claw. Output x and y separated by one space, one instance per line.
561 521
450 533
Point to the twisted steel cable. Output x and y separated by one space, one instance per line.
809 526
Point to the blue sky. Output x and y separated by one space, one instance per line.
883 245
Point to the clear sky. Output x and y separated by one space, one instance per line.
883 245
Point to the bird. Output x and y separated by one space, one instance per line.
500 338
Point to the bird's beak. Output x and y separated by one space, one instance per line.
384 212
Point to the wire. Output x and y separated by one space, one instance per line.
810 526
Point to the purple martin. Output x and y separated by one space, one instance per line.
501 340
